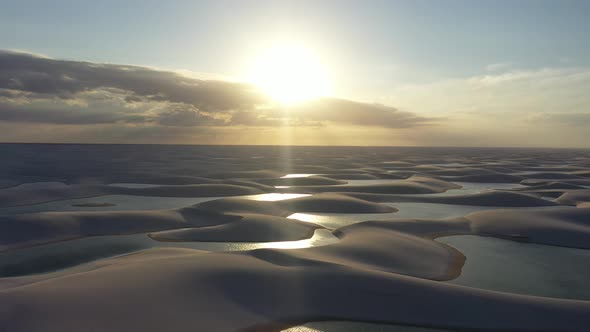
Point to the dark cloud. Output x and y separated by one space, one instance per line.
256 119
41 90
69 116
187 118
26 72
356 113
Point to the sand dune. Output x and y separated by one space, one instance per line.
461 171
488 178
197 190
303 181
489 198
27 195
250 184
380 174
8 183
425 228
112 296
578 182
239 206
412 185
333 203
37 228
373 247
327 203
94 204
548 185
574 197
263 221
257 174
552 176
387 271
583 173
250 228
562 226
559 226
161 179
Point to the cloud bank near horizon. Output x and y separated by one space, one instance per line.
50 100
35 89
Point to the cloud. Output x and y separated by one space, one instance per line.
35 89
533 107
513 94
59 116
357 113
562 118
44 99
27 72
187 117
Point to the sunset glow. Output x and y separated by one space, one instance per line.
290 73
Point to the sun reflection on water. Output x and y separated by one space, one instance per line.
272 197
321 237
297 175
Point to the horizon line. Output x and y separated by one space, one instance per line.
309 145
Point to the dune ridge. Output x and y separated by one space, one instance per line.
387 271
228 283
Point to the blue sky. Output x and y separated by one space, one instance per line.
433 38
398 53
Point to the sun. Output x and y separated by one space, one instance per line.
290 73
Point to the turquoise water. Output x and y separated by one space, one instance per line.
522 268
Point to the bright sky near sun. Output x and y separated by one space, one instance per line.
370 46
503 67
290 73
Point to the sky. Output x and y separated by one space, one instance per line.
451 73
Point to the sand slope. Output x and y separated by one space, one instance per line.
562 226
178 290
412 185
489 198
37 228
333 203
30 194
382 270
249 228
373 247
574 197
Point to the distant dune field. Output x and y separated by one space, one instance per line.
244 238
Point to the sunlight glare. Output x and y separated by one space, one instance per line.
290 73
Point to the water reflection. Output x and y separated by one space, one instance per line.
59 255
273 197
406 210
336 220
132 203
297 175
